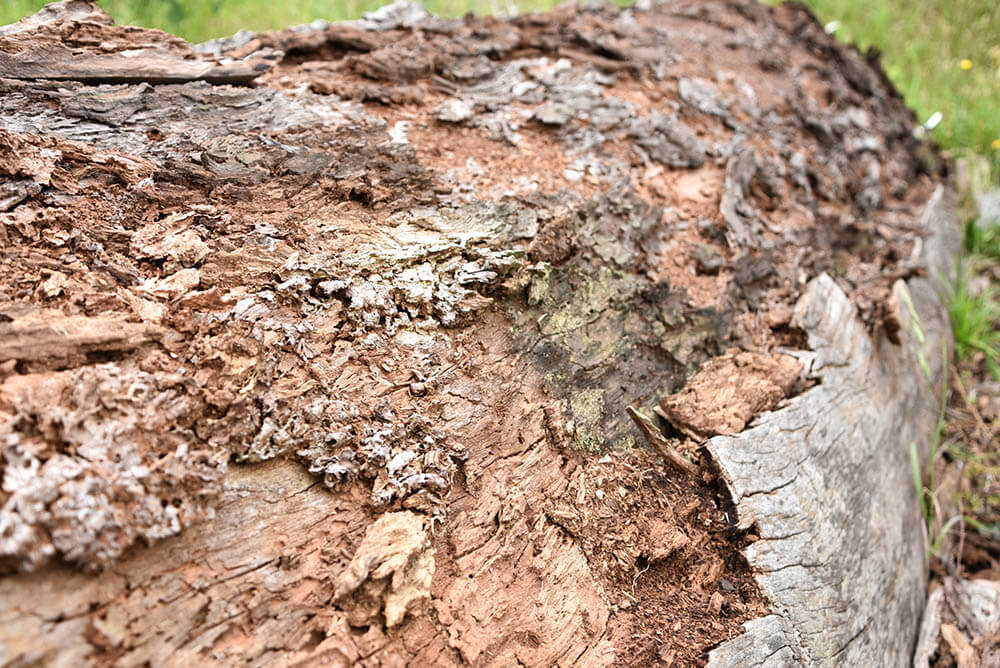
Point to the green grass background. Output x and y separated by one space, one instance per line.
923 42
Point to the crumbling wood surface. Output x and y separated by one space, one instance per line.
837 512
335 368
59 44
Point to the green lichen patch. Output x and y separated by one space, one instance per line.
604 335
587 408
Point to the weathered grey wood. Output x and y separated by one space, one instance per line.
827 481
61 65
768 642
930 627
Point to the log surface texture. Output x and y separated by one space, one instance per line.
589 338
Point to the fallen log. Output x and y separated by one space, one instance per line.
394 314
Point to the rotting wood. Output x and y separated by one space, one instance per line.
729 391
841 549
408 283
44 335
41 47
654 437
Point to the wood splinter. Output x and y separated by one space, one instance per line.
660 444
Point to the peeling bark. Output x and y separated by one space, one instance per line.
841 548
57 43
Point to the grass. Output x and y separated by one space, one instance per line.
924 44
199 20
983 242
975 298
975 314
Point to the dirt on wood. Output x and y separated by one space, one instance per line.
731 390
433 262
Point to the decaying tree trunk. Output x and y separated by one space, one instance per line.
346 344
841 547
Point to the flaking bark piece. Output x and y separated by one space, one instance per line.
660 444
963 652
930 629
392 569
40 48
47 334
976 605
730 391
742 219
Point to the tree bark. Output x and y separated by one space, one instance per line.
842 546
356 363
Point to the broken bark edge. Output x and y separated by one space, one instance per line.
841 555
767 641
